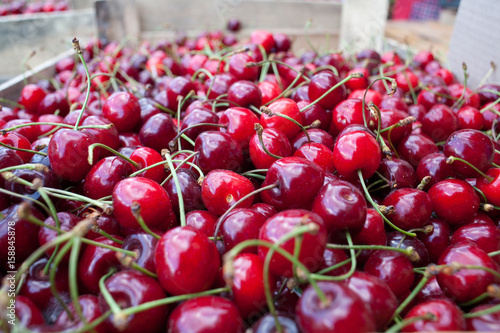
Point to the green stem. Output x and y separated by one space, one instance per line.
136 211
114 152
73 273
173 173
351 269
409 252
398 326
412 295
22 149
493 309
76 45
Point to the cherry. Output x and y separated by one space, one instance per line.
181 254
49 118
27 312
341 206
316 135
435 95
144 245
399 173
107 223
46 178
241 224
108 137
31 132
66 222
371 96
203 221
483 234
144 157
237 67
312 246
53 102
391 117
95 262
490 187
470 98
417 110
398 240
373 233
16 140
349 112
123 110
472 146
190 189
178 88
412 208
129 289
422 58
376 294
355 151
267 324
314 113
104 175
415 147
221 189
245 94
333 257
320 83
393 268
292 175
435 166
207 314
393 103
158 131
447 317
90 311
437 240
358 83
344 311
220 85
483 323
454 200
317 153
153 200
275 142
269 90
470 118
239 124
31 96
192 124
218 150
439 122
287 107
263 38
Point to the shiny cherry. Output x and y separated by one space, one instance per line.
448 317
241 224
275 142
435 166
123 110
437 240
412 208
415 147
218 150
104 175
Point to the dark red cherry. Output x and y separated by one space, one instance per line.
439 122
191 122
355 151
27 312
312 246
264 209
47 178
31 132
148 109
218 150
393 268
437 240
107 223
123 110
448 317
190 189
333 257
399 173
298 181
68 154
237 67
53 102
485 235
103 176
203 221
317 153
287 107
220 85
341 206
240 225
320 83
245 94
144 245
207 314
316 135
313 113
108 137
181 254
391 117
484 323
239 123
466 284
131 288
16 140
90 311
470 118
349 112
398 240
435 95
275 142
454 200
158 131
344 312
31 96
221 189
49 118
435 166
474 147
376 294
267 324
470 98
415 147
412 208
416 110
373 233
144 157
152 198
95 262
394 103
66 222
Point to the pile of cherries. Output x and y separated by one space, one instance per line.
213 185
16 7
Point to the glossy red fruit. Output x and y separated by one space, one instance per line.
439 122
474 147
53 102
144 157
263 38
313 244
437 240
190 189
203 221
341 206
90 311
470 118
466 284
67 221
206 314
247 284
344 312
181 254
448 317
484 323
355 151
349 112
269 90
454 200
490 187
298 181
27 312
435 166
275 142
399 173
320 83
16 140
239 123
123 110
412 208
485 235
376 294
218 150
153 200
415 147
316 135
131 288
287 107
245 94
144 245
158 131
392 117
317 153
237 67
103 176
393 268
241 224
31 96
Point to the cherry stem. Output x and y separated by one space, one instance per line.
181 163
290 87
52 275
491 105
260 130
323 67
376 207
10 129
452 159
350 76
76 46
424 182
387 152
8 101
412 89
90 159
115 308
398 326
254 171
270 113
201 71
458 104
171 144
23 150
352 268
128 262
476 300
31 166
394 85
488 73
107 209
230 209
488 311
173 173
165 109
338 265
412 295
409 251
135 208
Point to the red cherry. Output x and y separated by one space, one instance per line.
454 200
144 157
263 38
144 245
439 122
437 240
30 132
31 96
314 113
490 187
349 112
152 198
245 94
103 176
218 150
415 147
484 323
158 131
312 246
123 110
320 83
18 141
470 118
344 312
412 208
221 189
108 137
435 166
181 254
237 67
53 102
239 124
275 142
27 312
190 189
66 222
317 153
399 173
241 224
207 314
485 235
269 91
288 108
391 117
448 317
90 311
203 221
